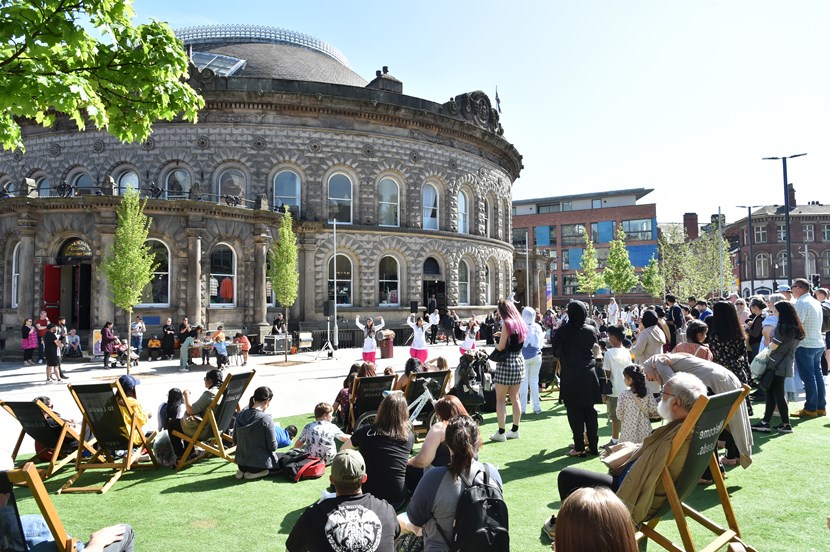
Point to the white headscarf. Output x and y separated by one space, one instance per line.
535 335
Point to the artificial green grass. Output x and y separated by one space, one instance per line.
781 501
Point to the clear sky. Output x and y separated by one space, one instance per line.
682 97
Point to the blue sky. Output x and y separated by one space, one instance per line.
682 97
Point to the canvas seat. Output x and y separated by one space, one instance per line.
366 396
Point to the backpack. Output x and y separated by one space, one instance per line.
480 517
297 465
825 316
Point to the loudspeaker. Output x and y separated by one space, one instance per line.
413 307
328 308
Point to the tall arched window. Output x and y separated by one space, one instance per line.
783 268
15 275
388 279
488 286
825 264
463 213
82 183
463 283
487 218
762 265
388 203
431 267
231 183
287 187
126 180
222 283
747 268
430 207
157 292
177 184
810 264
340 281
7 187
43 187
340 198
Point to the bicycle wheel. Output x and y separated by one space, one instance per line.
367 418
477 418
433 419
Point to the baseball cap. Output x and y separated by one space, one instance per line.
128 382
348 466
784 287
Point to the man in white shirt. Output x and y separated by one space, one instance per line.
810 350
434 320
614 362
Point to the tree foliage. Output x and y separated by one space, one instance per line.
123 82
693 267
282 270
651 279
619 273
588 279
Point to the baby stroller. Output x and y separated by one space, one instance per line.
125 354
472 381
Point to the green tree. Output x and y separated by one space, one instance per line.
282 269
693 267
619 273
673 252
588 279
129 265
651 279
123 82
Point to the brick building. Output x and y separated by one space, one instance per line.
553 228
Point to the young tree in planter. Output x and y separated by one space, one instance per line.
282 258
588 279
619 274
128 266
652 280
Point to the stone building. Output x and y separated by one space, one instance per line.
421 192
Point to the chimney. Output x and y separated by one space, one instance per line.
791 193
385 82
690 226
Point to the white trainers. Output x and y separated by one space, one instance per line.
510 434
239 474
255 475
499 437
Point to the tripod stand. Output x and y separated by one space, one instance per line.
327 347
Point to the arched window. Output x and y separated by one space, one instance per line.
287 192
431 267
222 283
747 268
177 184
488 286
126 180
82 183
783 268
340 281
388 288
430 207
825 264
762 265
231 183
463 213
7 187
43 187
388 203
487 219
157 292
463 283
15 275
810 264
340 198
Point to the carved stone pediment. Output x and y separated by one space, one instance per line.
476 109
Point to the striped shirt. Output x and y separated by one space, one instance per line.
809 311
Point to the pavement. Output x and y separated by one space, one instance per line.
297 386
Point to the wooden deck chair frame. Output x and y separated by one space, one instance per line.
354 395
547 394
29 476
674 503
66 431
215 442
103 458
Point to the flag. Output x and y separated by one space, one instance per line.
498 100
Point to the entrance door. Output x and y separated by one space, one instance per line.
52 291
81 295
438 287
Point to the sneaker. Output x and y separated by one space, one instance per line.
239 474
804 414
499 437
510 434
255 475
784 428
550 528
184 369
762 426
40 361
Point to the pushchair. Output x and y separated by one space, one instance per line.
472 381
125 354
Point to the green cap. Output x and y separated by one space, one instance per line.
348 466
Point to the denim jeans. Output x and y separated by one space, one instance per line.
808 361
135 341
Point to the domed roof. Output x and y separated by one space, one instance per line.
256 51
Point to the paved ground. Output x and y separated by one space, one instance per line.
297 387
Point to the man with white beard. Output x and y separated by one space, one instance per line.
638 485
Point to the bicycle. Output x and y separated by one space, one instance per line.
415 409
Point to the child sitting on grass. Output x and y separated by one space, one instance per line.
284 436
635 406
318 437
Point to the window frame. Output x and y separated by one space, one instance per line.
396 203
298 191
159 273
233 275
783 265
330 199
15 299
183 194
78 190
331 284
463 297
577 238
463 214
119 190
780 233
39 184
397 282
436 208
759 233
638 235
809 232
220 194
761 271
487 218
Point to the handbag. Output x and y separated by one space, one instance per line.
766 380
616 457
498 356
758 367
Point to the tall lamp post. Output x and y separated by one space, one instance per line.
787 211
775 278
750 237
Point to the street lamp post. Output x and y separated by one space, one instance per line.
787 211
774 278
750 238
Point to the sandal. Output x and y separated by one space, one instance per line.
577 453
729 461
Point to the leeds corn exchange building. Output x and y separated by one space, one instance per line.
421 192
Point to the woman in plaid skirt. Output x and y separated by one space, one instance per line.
510 371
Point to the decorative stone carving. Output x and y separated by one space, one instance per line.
54 150
202 142
369 150
98 146
17 155
148 144
314 146
414 157
475 108
259 142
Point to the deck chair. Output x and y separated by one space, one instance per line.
43 425
366 396
705 422
437 383
212 433
547 373
115 443
11 530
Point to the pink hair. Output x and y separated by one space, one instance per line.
512 320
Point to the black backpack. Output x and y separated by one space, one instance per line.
480 517
825 316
